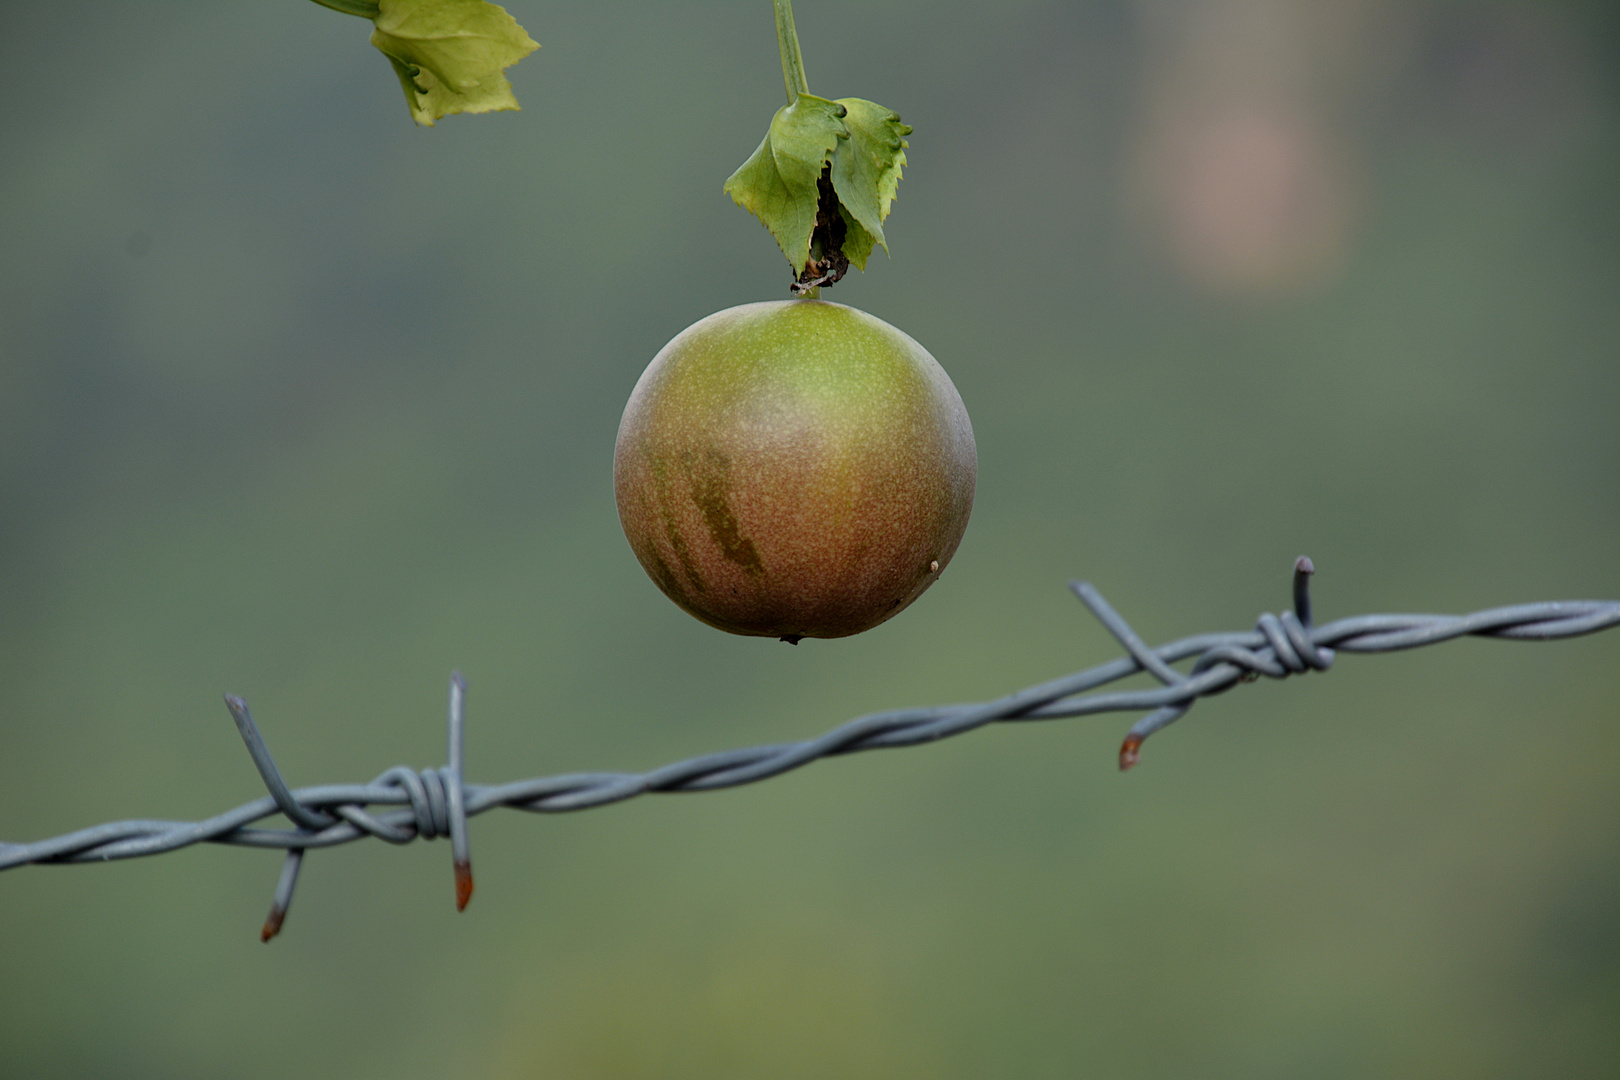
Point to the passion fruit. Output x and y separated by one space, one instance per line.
794 468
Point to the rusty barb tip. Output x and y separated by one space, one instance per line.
1130 752
464 885
272 924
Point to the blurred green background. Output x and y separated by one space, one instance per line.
304 403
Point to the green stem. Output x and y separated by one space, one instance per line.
366 9
787 39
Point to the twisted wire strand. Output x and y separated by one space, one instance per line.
437 802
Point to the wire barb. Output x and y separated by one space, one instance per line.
437 802
1303 570
284 891
455 797
267 768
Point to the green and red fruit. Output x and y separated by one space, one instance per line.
793 469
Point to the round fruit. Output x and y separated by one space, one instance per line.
794 469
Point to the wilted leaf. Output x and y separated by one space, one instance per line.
866 172
450 54
778 183
860 144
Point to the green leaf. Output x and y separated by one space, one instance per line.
778 183
858 243
866 172
450 54
862 147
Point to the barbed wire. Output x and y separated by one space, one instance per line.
438 802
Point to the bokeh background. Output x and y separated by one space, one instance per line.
301 402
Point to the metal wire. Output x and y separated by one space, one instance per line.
437 802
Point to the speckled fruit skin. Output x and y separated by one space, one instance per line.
793 469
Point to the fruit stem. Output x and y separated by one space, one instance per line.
787 39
